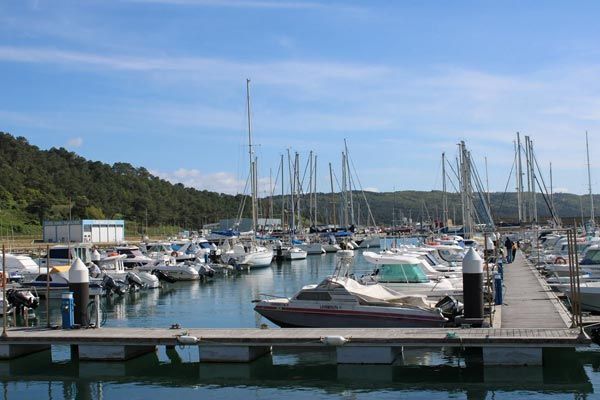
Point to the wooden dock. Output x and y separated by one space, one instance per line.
352 346
528 301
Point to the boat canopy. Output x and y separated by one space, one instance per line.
409 273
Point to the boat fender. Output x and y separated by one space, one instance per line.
334 340
187 340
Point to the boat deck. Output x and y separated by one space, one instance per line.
528 301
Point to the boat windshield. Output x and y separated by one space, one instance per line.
591 257
410 273
451 255
313 295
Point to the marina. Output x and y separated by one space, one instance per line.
300 199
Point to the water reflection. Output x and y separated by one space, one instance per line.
306 372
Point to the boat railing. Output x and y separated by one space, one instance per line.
272 296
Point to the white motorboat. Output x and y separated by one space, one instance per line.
589 295
177 271
65 254
405 274
331 248
341 301
294 253
311 248
252 255
56 282
21 267
113 266
134 256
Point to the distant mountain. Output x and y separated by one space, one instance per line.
40 184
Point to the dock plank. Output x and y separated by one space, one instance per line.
527 303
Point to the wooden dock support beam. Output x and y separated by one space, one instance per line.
8 351
367 354
112 352
232 353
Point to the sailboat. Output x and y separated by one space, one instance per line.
252 255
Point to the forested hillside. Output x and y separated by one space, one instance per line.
49 184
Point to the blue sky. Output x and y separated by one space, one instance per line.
161 84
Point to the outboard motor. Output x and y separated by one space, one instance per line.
450 307
95 271
110 286
206 272
133 281
21 299
162 276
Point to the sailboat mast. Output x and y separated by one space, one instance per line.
251 160
444 193
310 187
551 189
298 188
517 188
315 191
587 148
349 176
332 195
522 212
282 196
292 193
344 190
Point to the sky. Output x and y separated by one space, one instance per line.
162 84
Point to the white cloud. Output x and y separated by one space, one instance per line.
371 189
75 142
222 182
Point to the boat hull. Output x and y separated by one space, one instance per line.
311 248
315 318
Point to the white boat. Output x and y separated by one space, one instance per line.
341 301
331 248
134 256
252 255
294 253
177 271
372 240
311 248
113 265
65 254
405 274
57 283
589 295
21 267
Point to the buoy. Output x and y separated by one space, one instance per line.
473 284
334 340
79 284
187 340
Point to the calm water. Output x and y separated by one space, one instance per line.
225 302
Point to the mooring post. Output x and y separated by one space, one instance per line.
4 316
79 284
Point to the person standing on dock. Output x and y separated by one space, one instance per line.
509 255
515 246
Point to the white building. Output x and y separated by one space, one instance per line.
85 231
